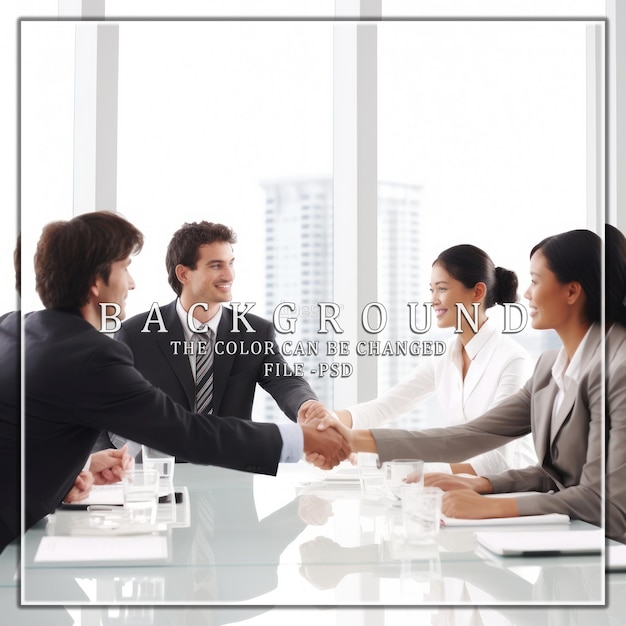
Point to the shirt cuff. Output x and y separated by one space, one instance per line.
87 464
293 442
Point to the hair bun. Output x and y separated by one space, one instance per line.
506 286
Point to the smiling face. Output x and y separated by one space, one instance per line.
116 288
549 301
212 278
446 293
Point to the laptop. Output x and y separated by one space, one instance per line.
540 543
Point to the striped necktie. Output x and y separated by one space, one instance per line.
204 373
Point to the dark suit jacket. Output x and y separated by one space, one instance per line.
79 381
10 325
235 375
570 453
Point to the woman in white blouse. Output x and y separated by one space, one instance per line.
478 369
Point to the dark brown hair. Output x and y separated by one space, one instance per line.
71 255
184 248
615 275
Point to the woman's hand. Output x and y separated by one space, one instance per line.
449 482
470 505
312 410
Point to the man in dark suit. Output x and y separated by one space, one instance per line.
78 381
200 266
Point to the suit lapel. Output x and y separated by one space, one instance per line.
590 348
543 400
180 362
477 370
222 363
564 410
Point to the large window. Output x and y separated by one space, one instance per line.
480 132
483 125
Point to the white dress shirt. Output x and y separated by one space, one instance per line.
499 367
213 323
566 373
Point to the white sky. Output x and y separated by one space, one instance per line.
10 10
488 117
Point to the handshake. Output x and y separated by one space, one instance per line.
327 441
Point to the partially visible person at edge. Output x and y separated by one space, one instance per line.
107 466
480 368
78 381
615 368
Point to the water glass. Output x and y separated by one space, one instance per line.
421 512
141 490
163 464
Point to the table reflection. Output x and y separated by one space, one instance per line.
298 540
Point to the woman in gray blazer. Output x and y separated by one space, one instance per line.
561 405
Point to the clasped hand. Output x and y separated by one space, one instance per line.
328 441
105 467
323 446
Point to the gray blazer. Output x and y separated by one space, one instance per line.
616 432
570 453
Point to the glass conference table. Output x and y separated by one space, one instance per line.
304 537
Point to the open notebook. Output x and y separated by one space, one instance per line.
536 543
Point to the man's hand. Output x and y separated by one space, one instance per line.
108 466
312 410
81 488
470 505
324 448
450 482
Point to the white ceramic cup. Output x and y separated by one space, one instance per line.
397 471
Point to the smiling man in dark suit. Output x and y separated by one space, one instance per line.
200 264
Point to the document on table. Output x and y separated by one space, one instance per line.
524 520
343 475
103 494
533 543
99 549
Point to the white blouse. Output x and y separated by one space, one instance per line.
499 367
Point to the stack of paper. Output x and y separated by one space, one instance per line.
137 548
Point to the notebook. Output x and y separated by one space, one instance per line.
541 543
524 520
